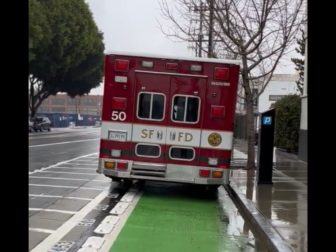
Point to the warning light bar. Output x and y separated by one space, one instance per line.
221 73
121 65
217 111
119 103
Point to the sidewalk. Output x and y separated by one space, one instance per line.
278 211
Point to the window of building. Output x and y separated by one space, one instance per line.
151 106
185 109
181 153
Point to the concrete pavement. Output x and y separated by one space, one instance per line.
278 211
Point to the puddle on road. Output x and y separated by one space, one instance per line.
235 227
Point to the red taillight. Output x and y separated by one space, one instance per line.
217 111
204 173
171 66
122 165
221 73
119 103
121 65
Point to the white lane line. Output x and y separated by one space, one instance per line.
60 167
77 141
67 226
94 180
57 196
62 162
76 173
84 162
62 186
93 165
51 210
42 230
111 237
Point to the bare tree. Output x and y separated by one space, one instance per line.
257 32
37 94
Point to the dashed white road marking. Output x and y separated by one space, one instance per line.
63 162
76 173
51 210
77 141
67 226
42 230
57 196
94 180
80 162
62 186
75 168
44 185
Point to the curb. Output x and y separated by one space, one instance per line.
262 225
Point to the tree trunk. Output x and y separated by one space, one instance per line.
32 112
250 133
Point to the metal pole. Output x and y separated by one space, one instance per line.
200 32
210 45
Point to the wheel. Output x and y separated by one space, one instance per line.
127 182
211 190
115 179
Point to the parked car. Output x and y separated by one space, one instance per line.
41 123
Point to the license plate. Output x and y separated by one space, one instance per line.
120 136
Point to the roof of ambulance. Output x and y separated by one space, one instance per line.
159 56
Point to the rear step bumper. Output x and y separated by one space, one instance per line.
163 172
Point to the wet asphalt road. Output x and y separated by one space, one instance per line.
68 201
48 148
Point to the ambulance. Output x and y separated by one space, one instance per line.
167 118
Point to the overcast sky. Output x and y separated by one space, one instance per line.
131 25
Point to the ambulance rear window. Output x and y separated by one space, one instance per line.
147 150
181 153
151 106
185 109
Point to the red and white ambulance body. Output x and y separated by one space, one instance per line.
168 119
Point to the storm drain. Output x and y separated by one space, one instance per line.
61 246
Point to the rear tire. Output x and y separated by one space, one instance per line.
127 182
211 188
115 179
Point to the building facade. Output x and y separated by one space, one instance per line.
279 86
64 111
64 104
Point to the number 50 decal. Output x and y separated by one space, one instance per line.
118 116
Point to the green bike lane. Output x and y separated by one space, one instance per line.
183 218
